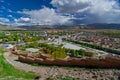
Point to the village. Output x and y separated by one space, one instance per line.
46 48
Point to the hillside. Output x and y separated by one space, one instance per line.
103 26
86 26
5 27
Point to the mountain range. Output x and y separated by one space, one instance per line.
6 27
83 26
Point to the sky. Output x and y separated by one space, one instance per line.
58 12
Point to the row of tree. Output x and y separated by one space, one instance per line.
95 47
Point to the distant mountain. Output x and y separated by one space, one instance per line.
37 27
5 27
85 26
103 26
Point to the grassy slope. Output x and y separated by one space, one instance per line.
7 71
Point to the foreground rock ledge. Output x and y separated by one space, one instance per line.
53 72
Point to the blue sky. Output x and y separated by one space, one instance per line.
58 12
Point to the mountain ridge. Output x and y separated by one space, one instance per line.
83 26
6 27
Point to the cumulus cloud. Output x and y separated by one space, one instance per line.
93 11
10 16
70 6
72 12
46 16
4 20
21 21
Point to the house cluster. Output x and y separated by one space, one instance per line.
100 40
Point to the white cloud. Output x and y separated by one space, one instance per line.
22 19
73 6
4 20
102 11
25 19
72 12
46 16
10 16
18 24
70 6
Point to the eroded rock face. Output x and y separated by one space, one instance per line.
15 52
22 58
109 62
85 74
61 62
25 55
30 60
44 56
39 60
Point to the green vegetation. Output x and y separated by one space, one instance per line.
58 51
1 51
55 52
8 72
16 36
76 53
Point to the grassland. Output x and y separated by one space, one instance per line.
8 72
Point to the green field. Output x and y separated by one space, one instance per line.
8 72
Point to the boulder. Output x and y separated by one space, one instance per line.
22 58
39 60
30 60
23 54
44 56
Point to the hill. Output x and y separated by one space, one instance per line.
5 27
86 26
103 26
